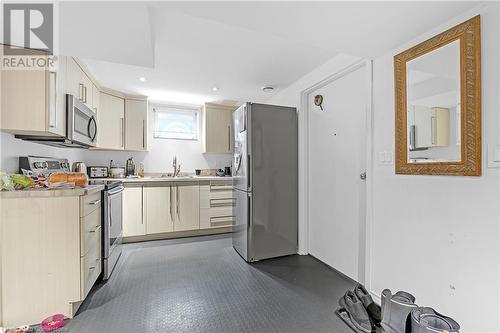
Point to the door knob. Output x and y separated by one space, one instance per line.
362 176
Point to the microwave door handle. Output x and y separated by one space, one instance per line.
92 120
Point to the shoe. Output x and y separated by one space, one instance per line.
344 315
396 311
356 311
427 320
374 311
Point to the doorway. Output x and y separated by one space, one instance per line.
336 170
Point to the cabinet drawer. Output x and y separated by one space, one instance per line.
221 211
221 186
91 266
216 218
221 194
90 232
89 203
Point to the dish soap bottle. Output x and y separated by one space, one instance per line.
141 170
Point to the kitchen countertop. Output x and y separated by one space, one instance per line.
44 192
167 179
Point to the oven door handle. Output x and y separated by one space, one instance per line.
92 120
115 190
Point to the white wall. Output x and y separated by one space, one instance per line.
12 148
438 236
161 152
434 236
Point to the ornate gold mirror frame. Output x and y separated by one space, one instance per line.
468 33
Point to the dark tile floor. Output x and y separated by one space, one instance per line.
202 285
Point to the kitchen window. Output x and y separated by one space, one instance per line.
176 123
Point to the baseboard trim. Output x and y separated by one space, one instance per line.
177 234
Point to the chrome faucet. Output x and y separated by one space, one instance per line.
177 168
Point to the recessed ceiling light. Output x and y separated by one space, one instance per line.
267 89
215 89
142 79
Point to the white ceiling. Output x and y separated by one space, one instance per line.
111 31
184 49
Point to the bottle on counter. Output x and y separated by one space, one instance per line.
141 170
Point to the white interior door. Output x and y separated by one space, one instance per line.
337 158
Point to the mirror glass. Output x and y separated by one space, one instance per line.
433 106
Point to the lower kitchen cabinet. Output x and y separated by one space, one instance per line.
133 223
50 255
187 206
158 210
216 204
153 209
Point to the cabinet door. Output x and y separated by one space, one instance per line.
96 95
110 133
87 91
441 128
423 126
158 211
133 223
74 79
78 83
57 98
136 122
217 129
187 207
24 100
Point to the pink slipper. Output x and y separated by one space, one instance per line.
53 322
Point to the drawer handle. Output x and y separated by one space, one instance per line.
91 268
95 202
222 202
95 229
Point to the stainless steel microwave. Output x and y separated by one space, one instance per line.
81 122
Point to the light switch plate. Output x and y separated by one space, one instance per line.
385 157
493 155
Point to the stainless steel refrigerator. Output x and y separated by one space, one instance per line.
265 181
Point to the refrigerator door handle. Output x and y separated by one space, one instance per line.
249 176
249 210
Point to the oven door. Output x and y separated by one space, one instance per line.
81 122
114 220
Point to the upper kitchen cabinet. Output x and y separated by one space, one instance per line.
79 84
96 97
111 122
136 124
217 128
33 100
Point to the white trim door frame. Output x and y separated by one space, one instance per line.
365 233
